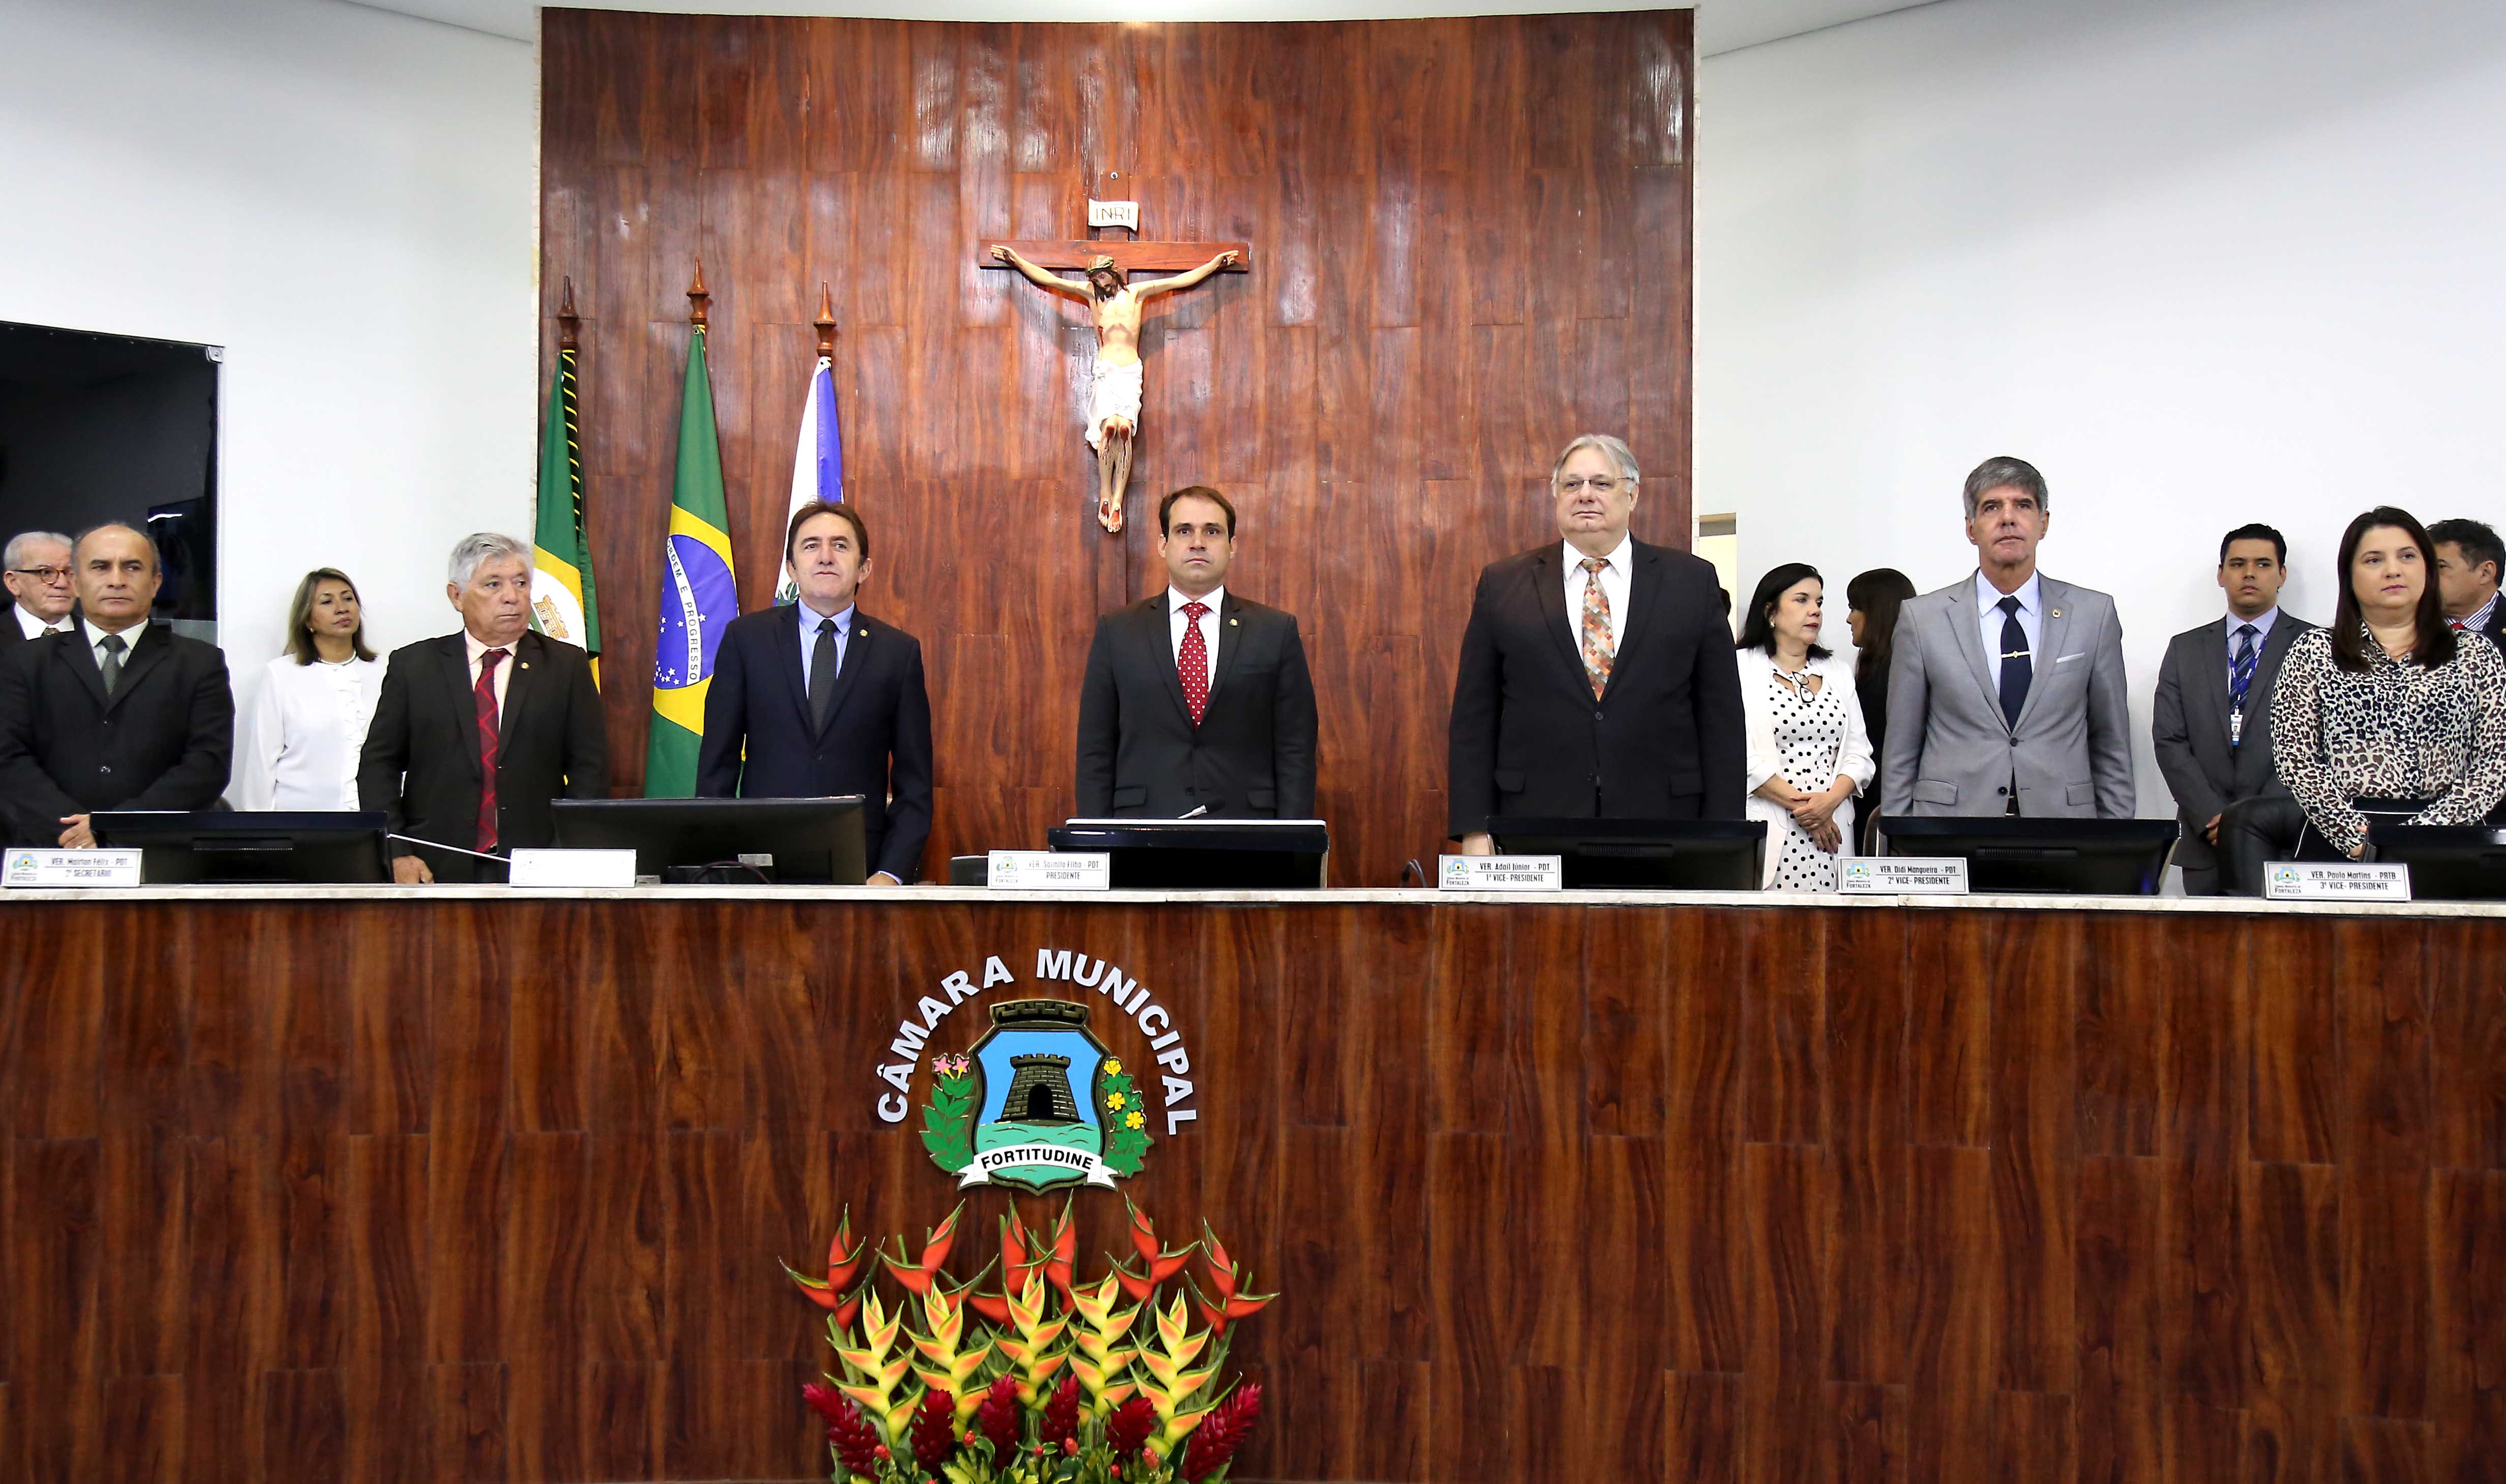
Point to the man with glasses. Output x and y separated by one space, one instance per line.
1597 678
38 575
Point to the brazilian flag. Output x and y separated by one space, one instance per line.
564 603
697 598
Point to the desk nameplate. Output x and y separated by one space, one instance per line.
73 867
1051 870
1902 875
1500 873
2334 881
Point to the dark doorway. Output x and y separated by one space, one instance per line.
1039 1106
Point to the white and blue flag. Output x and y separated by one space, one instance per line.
818 461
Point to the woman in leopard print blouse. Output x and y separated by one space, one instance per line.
2389 712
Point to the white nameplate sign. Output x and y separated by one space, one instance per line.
73 867
2334 881
1114 214
1500 873
573 867
1902 875
1051 870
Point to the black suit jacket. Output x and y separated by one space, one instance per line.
1252 756
163 741
877 742
2188 727
1666 740
420 764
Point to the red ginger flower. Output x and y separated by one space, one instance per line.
1061 1412
933 1430
1131 1426
998 1417
855 1441
1221 1433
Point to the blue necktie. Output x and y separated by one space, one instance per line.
2241 678
2016 665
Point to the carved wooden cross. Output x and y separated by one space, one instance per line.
1132 257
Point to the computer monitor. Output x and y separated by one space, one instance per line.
1692 855
2448 862
2076 857
811 841
1204 853
226 847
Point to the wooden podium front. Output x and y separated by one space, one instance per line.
471 1184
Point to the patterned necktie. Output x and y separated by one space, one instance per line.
2018 666
1191 661
823 665
486 692
1596 627
2241 678
113 645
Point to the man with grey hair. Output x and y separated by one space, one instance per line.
2006 695
1597 678
39 579
475 733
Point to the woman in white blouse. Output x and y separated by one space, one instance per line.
308 723
1809 750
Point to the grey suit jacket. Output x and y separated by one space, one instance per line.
2188 727
1950 752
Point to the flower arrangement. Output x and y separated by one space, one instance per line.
1046 1379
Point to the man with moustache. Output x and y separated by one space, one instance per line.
1597 679
824 700
2006 693
116 711
41 586
475 733
2210 721
1196 702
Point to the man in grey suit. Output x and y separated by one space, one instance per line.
2211 718
2006 695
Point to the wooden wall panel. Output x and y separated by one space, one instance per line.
1552 1191
1463 257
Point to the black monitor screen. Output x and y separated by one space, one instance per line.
2448 862
2076 857
814 841
1217 854
1703 855
226 848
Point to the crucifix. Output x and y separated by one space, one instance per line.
1112 416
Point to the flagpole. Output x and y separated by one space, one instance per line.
826 322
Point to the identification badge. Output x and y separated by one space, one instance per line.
1500 873
2236 727
1050 870
2336 881
1902 875
73 867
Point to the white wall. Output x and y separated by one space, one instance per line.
2202 261
345 199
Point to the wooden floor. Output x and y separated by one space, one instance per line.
495 1191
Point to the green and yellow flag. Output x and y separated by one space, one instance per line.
564 604
697 596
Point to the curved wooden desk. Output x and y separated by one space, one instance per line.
474 1184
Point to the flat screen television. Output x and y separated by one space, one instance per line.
2074 857
227 847
1692 855
789 841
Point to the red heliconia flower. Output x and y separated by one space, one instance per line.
855 1441
841 1268
1221 1433
1065 1251
1134 1285
998 1417
917 1277
1131 1426
1163 1264
933 1430
1061 1412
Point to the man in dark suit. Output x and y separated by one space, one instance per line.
825 699
118 712
2469 557
42 587
2212 719
475 733
1597 678
1197 702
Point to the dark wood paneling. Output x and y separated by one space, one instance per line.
1461 258
1604 1194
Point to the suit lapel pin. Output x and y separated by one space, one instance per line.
527 664
2058 613
1230 623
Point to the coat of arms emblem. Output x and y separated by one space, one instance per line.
1035 1104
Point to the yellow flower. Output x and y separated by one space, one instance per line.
1134 1121
1114 1100
1113 1066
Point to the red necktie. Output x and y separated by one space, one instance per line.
486 690
1193 661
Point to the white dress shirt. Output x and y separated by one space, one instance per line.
504 668
1615 576
1209 628
96 638
303 737
1989 618
36 629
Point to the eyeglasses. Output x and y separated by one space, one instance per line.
44 574
1599 484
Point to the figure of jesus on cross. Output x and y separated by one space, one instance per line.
1113 411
